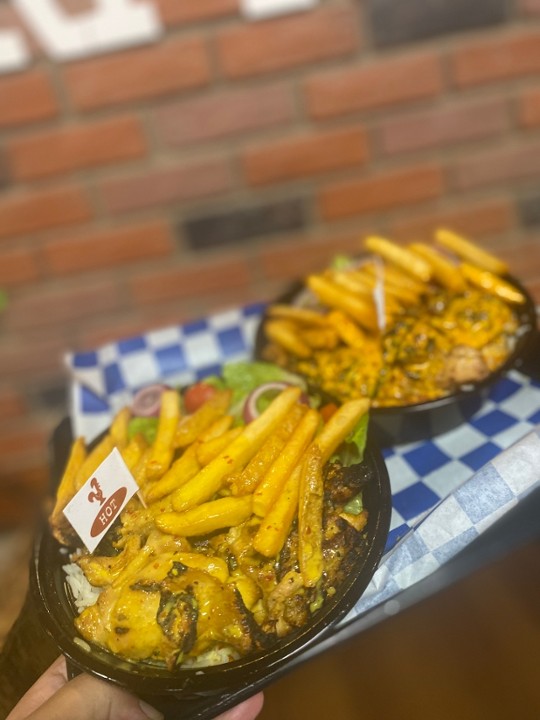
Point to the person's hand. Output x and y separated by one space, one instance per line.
52 697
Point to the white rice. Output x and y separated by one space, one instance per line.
84 594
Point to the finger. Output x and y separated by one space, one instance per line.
52 680
248 710
87 698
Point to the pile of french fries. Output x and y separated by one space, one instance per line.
202 473
360 301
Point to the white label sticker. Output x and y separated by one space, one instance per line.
98 503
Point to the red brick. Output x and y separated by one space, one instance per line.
500 58
297 256
18 266
523 259
26 97
493 216
20 442
76 148
140 74
529 7
286 42
380 84
12 403
381 192
28 212
33 355
529 109
533 286
168 185
305 155
436 128
24 489
218 115
57 306
192 281
108 248
175 12
497 166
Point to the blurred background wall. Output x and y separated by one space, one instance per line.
156 184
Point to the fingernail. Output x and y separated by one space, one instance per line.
150 711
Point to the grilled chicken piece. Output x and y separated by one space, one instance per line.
164 611
465 365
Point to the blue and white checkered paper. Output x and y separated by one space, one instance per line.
445 490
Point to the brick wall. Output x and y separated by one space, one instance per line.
153 185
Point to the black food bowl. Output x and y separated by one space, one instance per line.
185 689
424 420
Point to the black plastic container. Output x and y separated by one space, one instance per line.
424 420
203 692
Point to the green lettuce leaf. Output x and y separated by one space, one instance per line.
352 450
146 426
243 377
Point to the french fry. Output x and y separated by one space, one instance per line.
67 488
339 426
275 526
397 278
180 472
207 451
284 334
320 338
393 298
470 252
310 518
212 477
269 487
94 459
491 283
444 272
207 517
132 452
353 281
192 426
348 331
301 315
362 311
119 427
163 445
139 469
397 255
245 481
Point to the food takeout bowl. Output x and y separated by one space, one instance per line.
423 420
194 691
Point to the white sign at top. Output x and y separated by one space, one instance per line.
259 9
108 25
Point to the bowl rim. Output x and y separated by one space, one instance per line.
528 329
47 583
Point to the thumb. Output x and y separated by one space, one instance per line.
87 698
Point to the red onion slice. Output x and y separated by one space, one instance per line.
250 407
147 401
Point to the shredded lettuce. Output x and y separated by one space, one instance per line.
341 262
355 506
146 426
352 450
243 377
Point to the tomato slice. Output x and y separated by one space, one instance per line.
196 395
